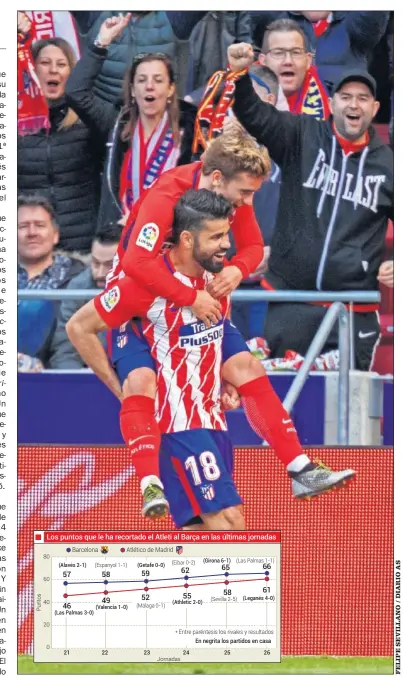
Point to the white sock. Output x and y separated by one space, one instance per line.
150 480
297 464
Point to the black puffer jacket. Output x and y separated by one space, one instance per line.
105 118
64 165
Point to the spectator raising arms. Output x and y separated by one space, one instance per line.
336 198
337 40
61 160
151 133
285 50
147 31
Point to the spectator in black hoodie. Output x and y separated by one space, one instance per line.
335 201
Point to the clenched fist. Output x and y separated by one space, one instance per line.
230 398
385 273
240 56
207 309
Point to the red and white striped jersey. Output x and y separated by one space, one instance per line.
188 355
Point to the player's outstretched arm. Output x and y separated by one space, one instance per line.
82 330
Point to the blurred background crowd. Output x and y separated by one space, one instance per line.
96 100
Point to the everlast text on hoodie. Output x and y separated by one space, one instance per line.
334 205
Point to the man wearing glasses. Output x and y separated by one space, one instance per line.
285 51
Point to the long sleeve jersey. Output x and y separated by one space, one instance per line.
149 226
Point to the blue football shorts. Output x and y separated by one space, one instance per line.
196 469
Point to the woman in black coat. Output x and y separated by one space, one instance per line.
62 162
151 133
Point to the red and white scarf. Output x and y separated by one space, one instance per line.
58 24
320 27
145 161
312 98
32 111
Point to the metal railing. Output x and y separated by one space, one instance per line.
238 295
337 311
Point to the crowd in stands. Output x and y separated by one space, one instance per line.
108 101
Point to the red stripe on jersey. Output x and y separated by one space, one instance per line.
210 381
189 364
186 485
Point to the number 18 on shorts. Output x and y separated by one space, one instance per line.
196 469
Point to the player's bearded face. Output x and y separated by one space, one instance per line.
211 245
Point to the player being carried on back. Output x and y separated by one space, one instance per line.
187 357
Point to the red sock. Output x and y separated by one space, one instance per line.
269 419
141 434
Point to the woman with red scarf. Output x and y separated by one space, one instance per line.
58 154
151 133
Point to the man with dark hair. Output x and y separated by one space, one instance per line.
339 40
283 26
37 235
285 50
39 267
188 358
63 356
335 201
233 166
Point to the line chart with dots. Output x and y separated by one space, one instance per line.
157 596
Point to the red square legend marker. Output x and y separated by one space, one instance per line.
38 536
